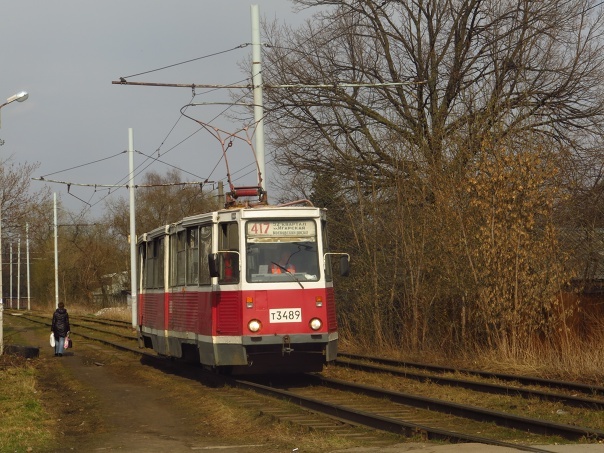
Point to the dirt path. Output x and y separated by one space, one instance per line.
101 406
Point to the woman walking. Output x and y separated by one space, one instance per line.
60 328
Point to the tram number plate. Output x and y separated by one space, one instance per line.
285 315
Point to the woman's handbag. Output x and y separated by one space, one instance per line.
52 339
68 343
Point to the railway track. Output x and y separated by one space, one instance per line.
387 410
586 389
367 364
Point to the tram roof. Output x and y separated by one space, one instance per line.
237 213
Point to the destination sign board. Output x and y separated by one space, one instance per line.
280 228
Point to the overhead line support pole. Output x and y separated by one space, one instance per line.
258 105
133 280
54 200
1 290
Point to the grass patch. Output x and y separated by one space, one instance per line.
26 426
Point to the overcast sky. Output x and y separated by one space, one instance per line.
66 53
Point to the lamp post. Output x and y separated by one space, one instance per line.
19 97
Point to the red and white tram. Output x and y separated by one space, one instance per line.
246 289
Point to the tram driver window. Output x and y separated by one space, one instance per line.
281 250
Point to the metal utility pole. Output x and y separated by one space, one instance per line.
19 97
27 255
10 264
258 105
1 290
54 197
19 272
132 232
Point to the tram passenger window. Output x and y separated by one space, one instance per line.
205 248
192 256
159 267
152 261
142 256
179 257
229 236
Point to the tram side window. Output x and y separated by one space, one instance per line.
158 274
193 256
142 256
205 248
229 256
179 258
150 268
152 257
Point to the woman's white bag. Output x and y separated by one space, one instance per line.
52 339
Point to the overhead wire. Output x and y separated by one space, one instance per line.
240 46
289 51
203 125
142 167
84 165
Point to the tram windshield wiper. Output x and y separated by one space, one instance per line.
287 270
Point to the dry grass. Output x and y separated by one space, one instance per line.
565 357
114 313
576 359
25 424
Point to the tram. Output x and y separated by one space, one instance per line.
244 290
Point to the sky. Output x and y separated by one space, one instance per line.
75 123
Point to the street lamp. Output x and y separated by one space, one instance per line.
19 97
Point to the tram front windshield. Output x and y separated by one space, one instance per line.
281 251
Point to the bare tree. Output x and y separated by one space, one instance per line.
415 97
17 199
462 68
160 205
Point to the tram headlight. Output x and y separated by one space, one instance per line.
254 325
315 323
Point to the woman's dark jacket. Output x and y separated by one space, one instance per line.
60 323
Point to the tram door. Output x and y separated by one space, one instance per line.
228 303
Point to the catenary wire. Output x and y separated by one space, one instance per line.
240 46
140 167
